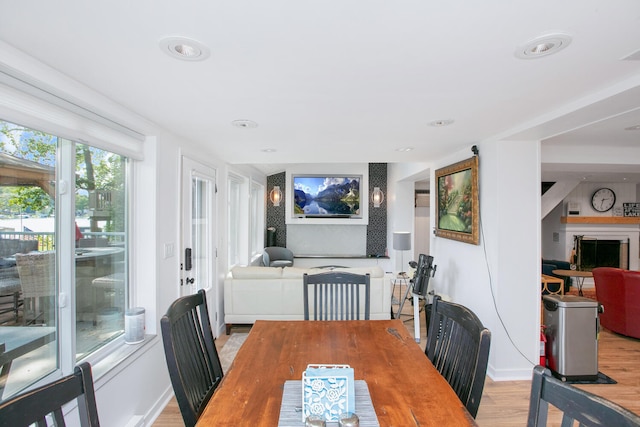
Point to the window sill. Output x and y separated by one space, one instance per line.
120 357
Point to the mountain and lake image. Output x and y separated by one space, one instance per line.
326 196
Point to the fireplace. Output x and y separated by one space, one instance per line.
593 252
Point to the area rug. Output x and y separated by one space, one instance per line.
602 379
230 349
587 293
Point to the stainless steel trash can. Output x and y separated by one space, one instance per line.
572 336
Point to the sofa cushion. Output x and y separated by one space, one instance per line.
561 265
294 272
373 271
254 272
281 263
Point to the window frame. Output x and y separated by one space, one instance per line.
256 220
64 226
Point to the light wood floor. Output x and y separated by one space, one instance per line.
506 403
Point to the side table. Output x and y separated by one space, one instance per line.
577 274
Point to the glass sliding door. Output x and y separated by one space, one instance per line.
63 254
100 248
28 266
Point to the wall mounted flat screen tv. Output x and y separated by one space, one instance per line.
326 196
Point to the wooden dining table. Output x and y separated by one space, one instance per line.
405 388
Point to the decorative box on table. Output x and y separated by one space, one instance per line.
328 391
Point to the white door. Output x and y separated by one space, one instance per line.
198 255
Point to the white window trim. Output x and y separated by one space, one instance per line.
26 110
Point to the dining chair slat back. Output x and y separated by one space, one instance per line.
36 406
337 296
458 346
192 359
588 409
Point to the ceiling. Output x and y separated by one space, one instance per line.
354 80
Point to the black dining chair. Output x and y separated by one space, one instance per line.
192 358
588 409
458 346
35 406
337 295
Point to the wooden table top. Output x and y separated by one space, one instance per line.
405 388
573 273
550 279
16 341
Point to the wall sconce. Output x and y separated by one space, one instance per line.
377 196
275 195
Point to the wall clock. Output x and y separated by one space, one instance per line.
603 199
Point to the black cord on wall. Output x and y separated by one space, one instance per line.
475 151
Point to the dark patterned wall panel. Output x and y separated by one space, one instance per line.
275 214
377 229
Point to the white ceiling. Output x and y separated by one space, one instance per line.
352 80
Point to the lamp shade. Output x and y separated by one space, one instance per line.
377 197
401 240
276 195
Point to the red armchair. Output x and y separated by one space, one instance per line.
619 292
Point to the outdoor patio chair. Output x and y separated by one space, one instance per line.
458 346
576 404
37 279
35 406
10 288
337 296
192 359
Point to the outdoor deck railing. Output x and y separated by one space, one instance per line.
46 239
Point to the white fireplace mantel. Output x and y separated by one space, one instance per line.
615 231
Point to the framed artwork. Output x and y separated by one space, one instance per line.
457 201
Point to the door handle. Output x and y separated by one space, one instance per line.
187 259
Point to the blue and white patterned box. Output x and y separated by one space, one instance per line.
328 391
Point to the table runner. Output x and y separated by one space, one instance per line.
292 399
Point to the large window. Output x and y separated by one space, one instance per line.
246 220
63 252
235 220
256 213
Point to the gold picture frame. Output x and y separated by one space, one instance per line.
457 201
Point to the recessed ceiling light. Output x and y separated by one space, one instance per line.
636 127
244 124
543 46
268 150
184 48
441 123
404 149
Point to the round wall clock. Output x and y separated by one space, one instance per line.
603 199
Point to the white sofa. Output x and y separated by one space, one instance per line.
268 293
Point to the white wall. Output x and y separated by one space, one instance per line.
499 279
401 178
552 235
